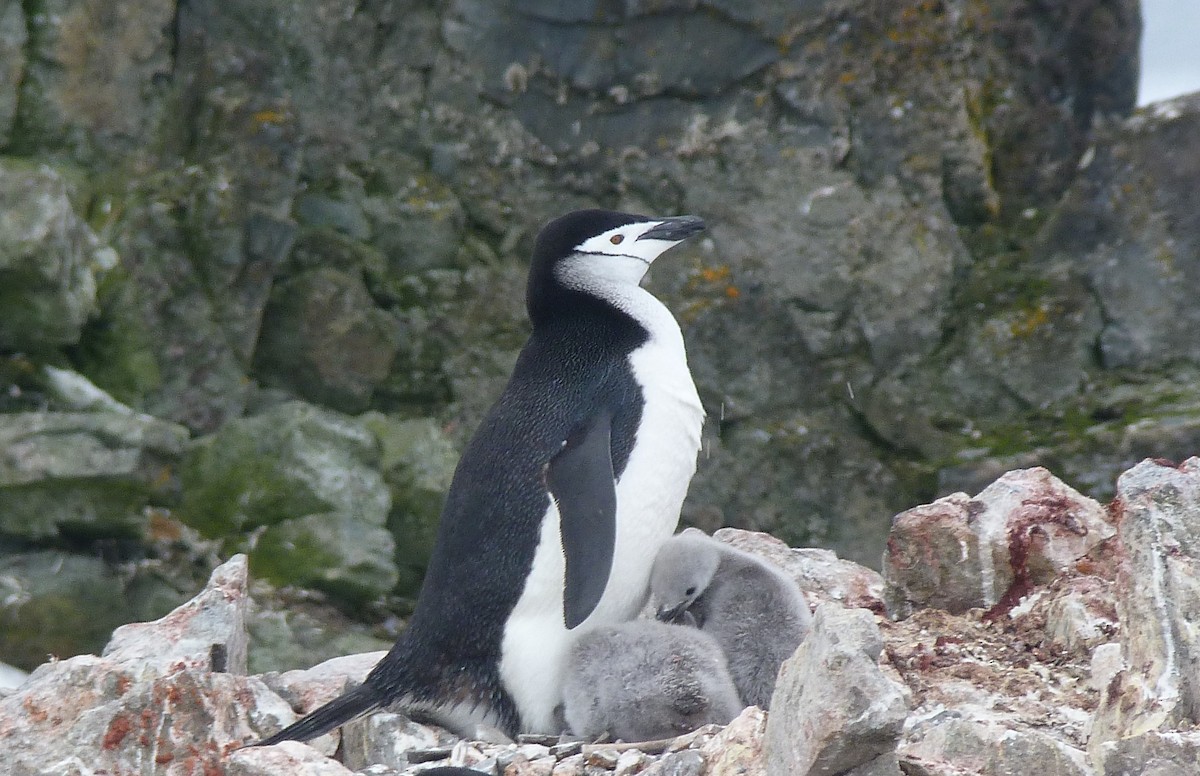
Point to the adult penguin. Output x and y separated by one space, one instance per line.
560 500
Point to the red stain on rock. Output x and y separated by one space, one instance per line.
35 712
1030 533
118 729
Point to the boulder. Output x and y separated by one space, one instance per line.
990 551
308 478
833 708
953 744
207 634
49 258
14 34
324 339
89 474
1158 594
160 694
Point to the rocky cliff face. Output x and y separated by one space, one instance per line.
261 264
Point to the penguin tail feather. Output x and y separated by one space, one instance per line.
337 712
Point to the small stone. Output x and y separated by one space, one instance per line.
685 763
629 762
289 757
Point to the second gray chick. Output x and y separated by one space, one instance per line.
754 611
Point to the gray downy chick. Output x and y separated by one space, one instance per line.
754 611
644 680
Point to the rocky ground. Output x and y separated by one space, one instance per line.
1027 629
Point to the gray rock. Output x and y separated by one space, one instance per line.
1157 588
324 339
308 476
93 84
388 739
284 638
83 473
11 678
1173 753
289 757
417 459
956 745
14 33
959 553
48 259
834 709
1136 249
55 603
157 696
740 748
206 634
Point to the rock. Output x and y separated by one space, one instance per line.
1139 279
54 603
156 343
83 473
1158 587
306 689
740 748
686 763
91 85
956 745
323 338
387 739
308 477
1073 615
48 259
1173 753
883 765
417 460
160 694
833 708
284 638
821 574
989 551
207 634
14 34
289 757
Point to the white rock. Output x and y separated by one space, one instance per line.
836 709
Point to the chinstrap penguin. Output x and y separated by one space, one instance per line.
561 499
754 611
645 680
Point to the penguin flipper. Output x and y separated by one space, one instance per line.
580 478
336 713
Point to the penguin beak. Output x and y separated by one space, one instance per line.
674 229
671 613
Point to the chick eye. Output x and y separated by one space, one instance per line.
617 239
690 591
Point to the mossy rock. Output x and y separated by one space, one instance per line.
418 462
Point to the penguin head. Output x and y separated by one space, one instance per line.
682 571
595 251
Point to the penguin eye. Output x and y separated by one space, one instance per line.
691 591
617 239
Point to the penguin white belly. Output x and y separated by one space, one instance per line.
649 493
